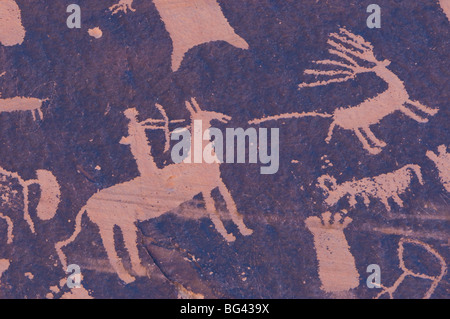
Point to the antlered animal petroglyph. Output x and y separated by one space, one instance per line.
337 270
154 193
407 272
48 202
12 31
442 162
191 23
349 47
382 187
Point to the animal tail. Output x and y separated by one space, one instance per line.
416 169
289 116
61 244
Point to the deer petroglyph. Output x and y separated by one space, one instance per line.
408 272
155 192
383 187
191 23
349 48
337 270
442 162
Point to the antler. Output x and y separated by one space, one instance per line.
340 43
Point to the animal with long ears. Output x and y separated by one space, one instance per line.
191 23
155 192
442 162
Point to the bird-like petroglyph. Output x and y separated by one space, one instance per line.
337 270
442 162
435 280
348 50
383 187
155 192
191 23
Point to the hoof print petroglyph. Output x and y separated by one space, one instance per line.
191 23
383 187
348 50
155 192
435 280
337 270
442 162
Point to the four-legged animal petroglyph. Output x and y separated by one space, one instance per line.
442 162
48 202
382 187
337 270
154 193
407 272
191 23
349 48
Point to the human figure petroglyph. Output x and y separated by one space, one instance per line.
337 270
155 192
349 48
48 202
383 187
442 162
408 272
191 23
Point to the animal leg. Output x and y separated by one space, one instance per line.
413 115
237 218
330 132
423 108
363 140
385 202
397 200
214 216
107 235
130 238
373 138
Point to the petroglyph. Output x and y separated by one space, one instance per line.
11 196
445 4
191 23
12 31
337 270
442 162
155 192
383 187
349 48
95 32
408 272
21 104
4 266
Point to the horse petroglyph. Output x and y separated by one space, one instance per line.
337 270
383 187
442 162
154 193
408 272
191 23
349 48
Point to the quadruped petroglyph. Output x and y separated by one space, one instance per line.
155 192
349 51
191 23
382 187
